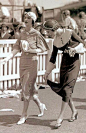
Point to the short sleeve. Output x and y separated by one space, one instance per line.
17 45
41 43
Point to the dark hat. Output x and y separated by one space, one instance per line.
0 3
51 24
4 25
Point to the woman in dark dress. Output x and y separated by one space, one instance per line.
64 40
30 43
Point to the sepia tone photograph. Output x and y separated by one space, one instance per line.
42 66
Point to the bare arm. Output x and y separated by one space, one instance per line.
11 55
77 37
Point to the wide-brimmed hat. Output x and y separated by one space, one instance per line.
32 15
51 24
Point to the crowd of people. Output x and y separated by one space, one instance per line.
67 38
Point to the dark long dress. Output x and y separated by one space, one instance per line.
68 71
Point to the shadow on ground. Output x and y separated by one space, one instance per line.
10 120
80 100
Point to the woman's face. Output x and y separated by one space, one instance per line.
27 20
51 33
4 28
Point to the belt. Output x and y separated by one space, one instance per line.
27 53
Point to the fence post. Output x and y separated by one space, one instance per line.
1 69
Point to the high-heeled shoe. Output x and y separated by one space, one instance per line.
73 118
58 125
42 108
22 120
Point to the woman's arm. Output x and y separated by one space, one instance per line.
51 62
77 37
11 55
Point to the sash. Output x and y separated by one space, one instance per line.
63 39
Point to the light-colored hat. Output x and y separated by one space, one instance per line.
51 24
66 12
82 15
32 15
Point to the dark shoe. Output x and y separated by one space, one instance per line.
73 118
58 125
41 87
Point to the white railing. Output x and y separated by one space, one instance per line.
9 73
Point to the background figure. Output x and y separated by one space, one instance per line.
20 28
68 21
82 24
69 67
4 33
30 43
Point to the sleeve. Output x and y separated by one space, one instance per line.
54 54
41 43
17 45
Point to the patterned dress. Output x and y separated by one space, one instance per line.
28 65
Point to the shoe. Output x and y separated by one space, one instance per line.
75 117
22 120
42 108
58 125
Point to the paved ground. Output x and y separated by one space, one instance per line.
44 124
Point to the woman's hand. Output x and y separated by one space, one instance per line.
3 61
46 77
72 52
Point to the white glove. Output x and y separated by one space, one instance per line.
80 48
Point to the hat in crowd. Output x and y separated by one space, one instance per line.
32 15
21 25
82 14
4 25
66 12
51 24
0 3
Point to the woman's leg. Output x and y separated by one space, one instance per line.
73 109
40 105
61 115
26 98
63 107
72 106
